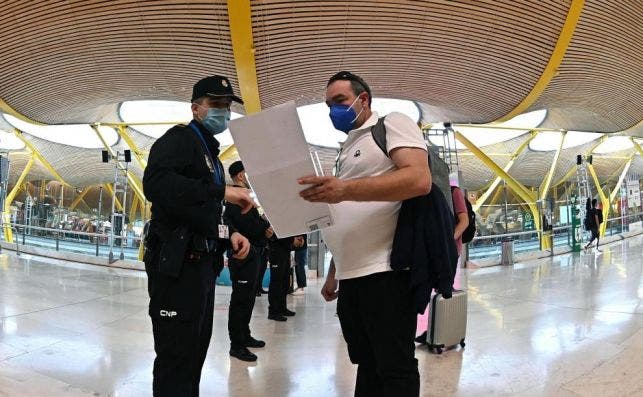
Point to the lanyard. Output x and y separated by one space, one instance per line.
218 174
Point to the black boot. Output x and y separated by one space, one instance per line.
243 354
255 343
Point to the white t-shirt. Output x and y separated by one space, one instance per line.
361 239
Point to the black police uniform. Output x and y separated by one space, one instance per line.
244 272
186 186
279 255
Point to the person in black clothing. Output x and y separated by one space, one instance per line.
592 222
279 256
185 183
263 264
243 272
301 256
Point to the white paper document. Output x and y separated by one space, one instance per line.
275 154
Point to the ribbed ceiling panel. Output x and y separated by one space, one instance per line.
17 163
475 173
474 60
62 60
599 86
78 167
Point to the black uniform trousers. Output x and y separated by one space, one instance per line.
263 263
182 311
378 320
243 273
279 279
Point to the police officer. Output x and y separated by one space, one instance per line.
244 272
185 183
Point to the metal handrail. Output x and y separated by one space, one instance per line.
625 216
19 225
527 232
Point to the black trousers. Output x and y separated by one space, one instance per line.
301 257
595 236
243 273
263 263
181 310
378 320
279 279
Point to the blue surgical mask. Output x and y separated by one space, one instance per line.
344 116
216 121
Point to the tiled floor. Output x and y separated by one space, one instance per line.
567 326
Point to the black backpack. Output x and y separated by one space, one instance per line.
470 232
440 176
439 169
589 220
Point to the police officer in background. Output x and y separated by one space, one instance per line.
244 272
185 182
279 256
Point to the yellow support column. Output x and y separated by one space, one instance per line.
133 209
110 191
546 240
637 146
8 235
544 186
80 197
122 132
605 204
572 170
39 156
243 48
621 178
551 70
496 182
526 195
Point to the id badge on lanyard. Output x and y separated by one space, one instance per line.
224 230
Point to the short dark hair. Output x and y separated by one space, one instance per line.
594 201
358 85
235 168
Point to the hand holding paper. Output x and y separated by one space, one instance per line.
325 189
275 155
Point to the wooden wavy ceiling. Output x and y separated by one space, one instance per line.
463 61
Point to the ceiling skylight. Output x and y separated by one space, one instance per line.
546 141
9 141
614 144
171 112
315 122
487 135
549 140
78 135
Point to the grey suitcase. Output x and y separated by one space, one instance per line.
447 321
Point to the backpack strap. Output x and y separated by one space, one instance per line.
378 131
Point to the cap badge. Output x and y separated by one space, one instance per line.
224 83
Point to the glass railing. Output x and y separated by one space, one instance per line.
490 233
486 244
78 242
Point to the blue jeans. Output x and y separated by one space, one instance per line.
301 257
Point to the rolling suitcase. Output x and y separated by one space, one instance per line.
447 321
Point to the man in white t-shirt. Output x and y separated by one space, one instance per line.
375 305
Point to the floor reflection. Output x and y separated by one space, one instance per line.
568 325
